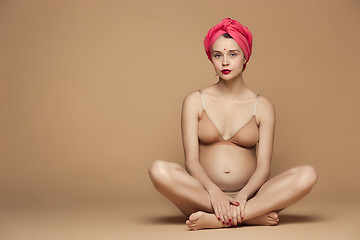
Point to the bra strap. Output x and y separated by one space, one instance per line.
256 104
202 100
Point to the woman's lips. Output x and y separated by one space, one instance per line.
226 71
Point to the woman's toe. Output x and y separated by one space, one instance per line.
274 216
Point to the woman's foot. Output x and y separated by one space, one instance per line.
268 219
202 220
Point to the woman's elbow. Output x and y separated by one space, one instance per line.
190 166
264 170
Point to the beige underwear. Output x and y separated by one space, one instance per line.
231 194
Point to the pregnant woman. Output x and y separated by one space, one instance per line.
228 136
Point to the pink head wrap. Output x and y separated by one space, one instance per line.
238 32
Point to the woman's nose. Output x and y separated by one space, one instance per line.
225 61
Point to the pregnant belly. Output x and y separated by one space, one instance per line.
228 166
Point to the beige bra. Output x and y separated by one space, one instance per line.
246 136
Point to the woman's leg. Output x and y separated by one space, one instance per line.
183 190
282 191
274 195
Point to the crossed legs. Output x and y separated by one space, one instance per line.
191 198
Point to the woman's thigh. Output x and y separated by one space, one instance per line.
175 183
297 179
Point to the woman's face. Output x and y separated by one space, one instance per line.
227 54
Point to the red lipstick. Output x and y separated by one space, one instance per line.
226 71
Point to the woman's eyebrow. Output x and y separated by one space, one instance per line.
233 50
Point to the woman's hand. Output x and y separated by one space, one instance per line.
236 215
222 205
242 200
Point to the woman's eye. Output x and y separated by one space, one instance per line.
217 55
233 54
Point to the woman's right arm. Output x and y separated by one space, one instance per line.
189 126
189 129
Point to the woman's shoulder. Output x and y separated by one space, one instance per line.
265 102
195 95
192 101
265 108
192 96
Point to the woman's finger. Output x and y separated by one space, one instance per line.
234 218
238 215
234 202
229 213
225 214
216 211
221 215
242 209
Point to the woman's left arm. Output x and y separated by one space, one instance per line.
266 116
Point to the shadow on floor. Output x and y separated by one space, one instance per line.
290 218
179 219
284 219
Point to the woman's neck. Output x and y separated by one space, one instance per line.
233 87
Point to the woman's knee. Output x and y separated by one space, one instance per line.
159 172
306 178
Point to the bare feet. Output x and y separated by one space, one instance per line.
203 220
268 219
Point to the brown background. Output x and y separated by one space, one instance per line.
91 91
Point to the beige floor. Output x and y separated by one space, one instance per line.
308 219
